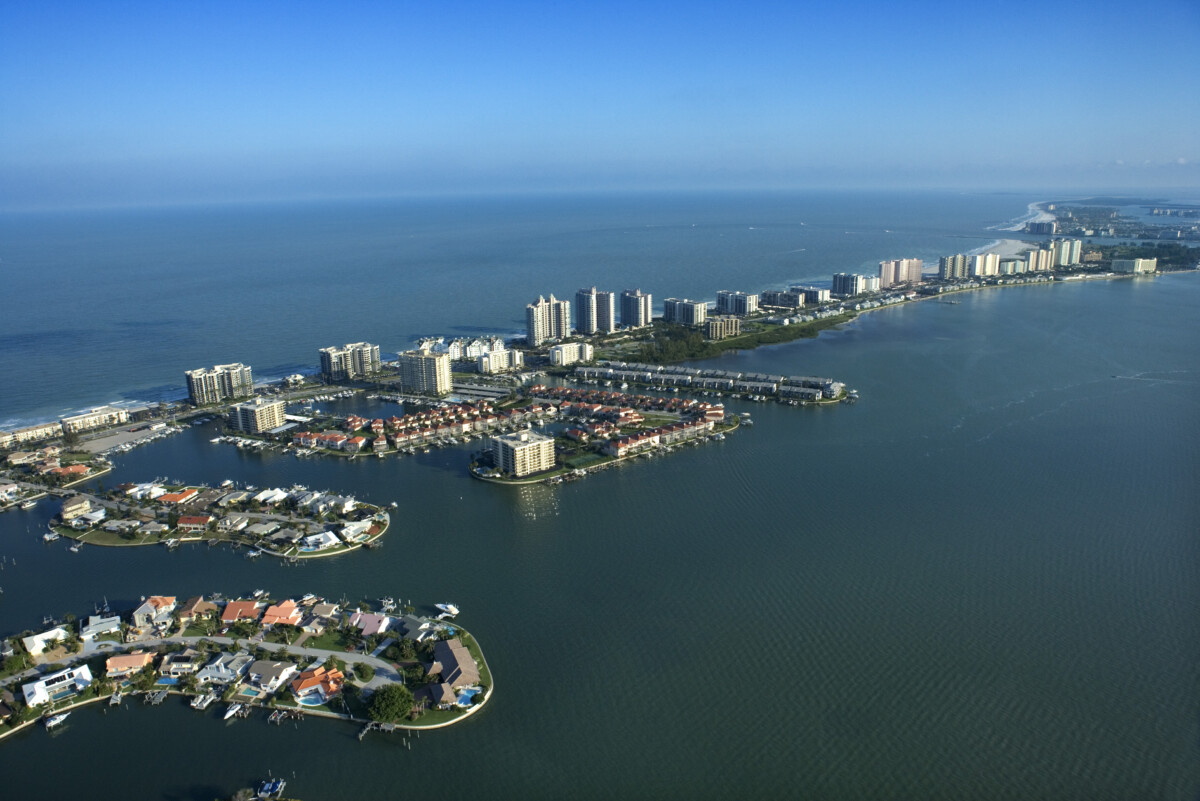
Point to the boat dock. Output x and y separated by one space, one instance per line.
154 699
280 715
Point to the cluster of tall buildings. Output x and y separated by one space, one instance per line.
899 271
1061 253
595 312
351 361
218 383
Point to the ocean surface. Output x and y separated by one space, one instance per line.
982 581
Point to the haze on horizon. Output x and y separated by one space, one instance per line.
140 103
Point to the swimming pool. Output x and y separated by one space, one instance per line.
61 694
167 680
467 695
311 700
250 692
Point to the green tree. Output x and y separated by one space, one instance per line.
364 671
390 704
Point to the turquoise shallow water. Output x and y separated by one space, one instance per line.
980 582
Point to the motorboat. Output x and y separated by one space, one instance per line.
55 720
272 788
449 609
233 710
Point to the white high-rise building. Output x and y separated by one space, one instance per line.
570 352
219 383
258 416
500 361
587 318
739 303
635 308
900 271
983 265
847 284
350 361
684 312
522 453
547 319
424 372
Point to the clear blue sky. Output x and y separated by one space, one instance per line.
162 102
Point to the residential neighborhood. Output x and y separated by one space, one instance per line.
292 655
295 523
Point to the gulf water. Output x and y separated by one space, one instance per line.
981 581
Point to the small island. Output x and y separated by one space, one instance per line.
387 669
296 523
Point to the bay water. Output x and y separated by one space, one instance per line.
981 581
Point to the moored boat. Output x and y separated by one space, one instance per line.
449 609
233 710
55 720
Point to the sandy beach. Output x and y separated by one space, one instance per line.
1007 247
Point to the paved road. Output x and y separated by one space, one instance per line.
385 673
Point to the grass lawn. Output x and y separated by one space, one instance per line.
585 459
435 716
200 630
330 640
112 636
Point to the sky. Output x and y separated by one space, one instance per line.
145 103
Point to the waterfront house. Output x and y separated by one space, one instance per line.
269 676
183 663
240 610
325 611
7 702
369 623
146 492
441 696
235 497
57 686
99 625
284 538
320 541
262 529
417 628
40 643
153 528
91 519
318 683
286 613
124 665
233 523
193 524
455 664
353 532
196 607
225 669
183 496
75 506
154 611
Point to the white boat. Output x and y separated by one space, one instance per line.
203 701
252 554
51 536
449 609
29 504
272 788
259 593
387 604
55 720
233 710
